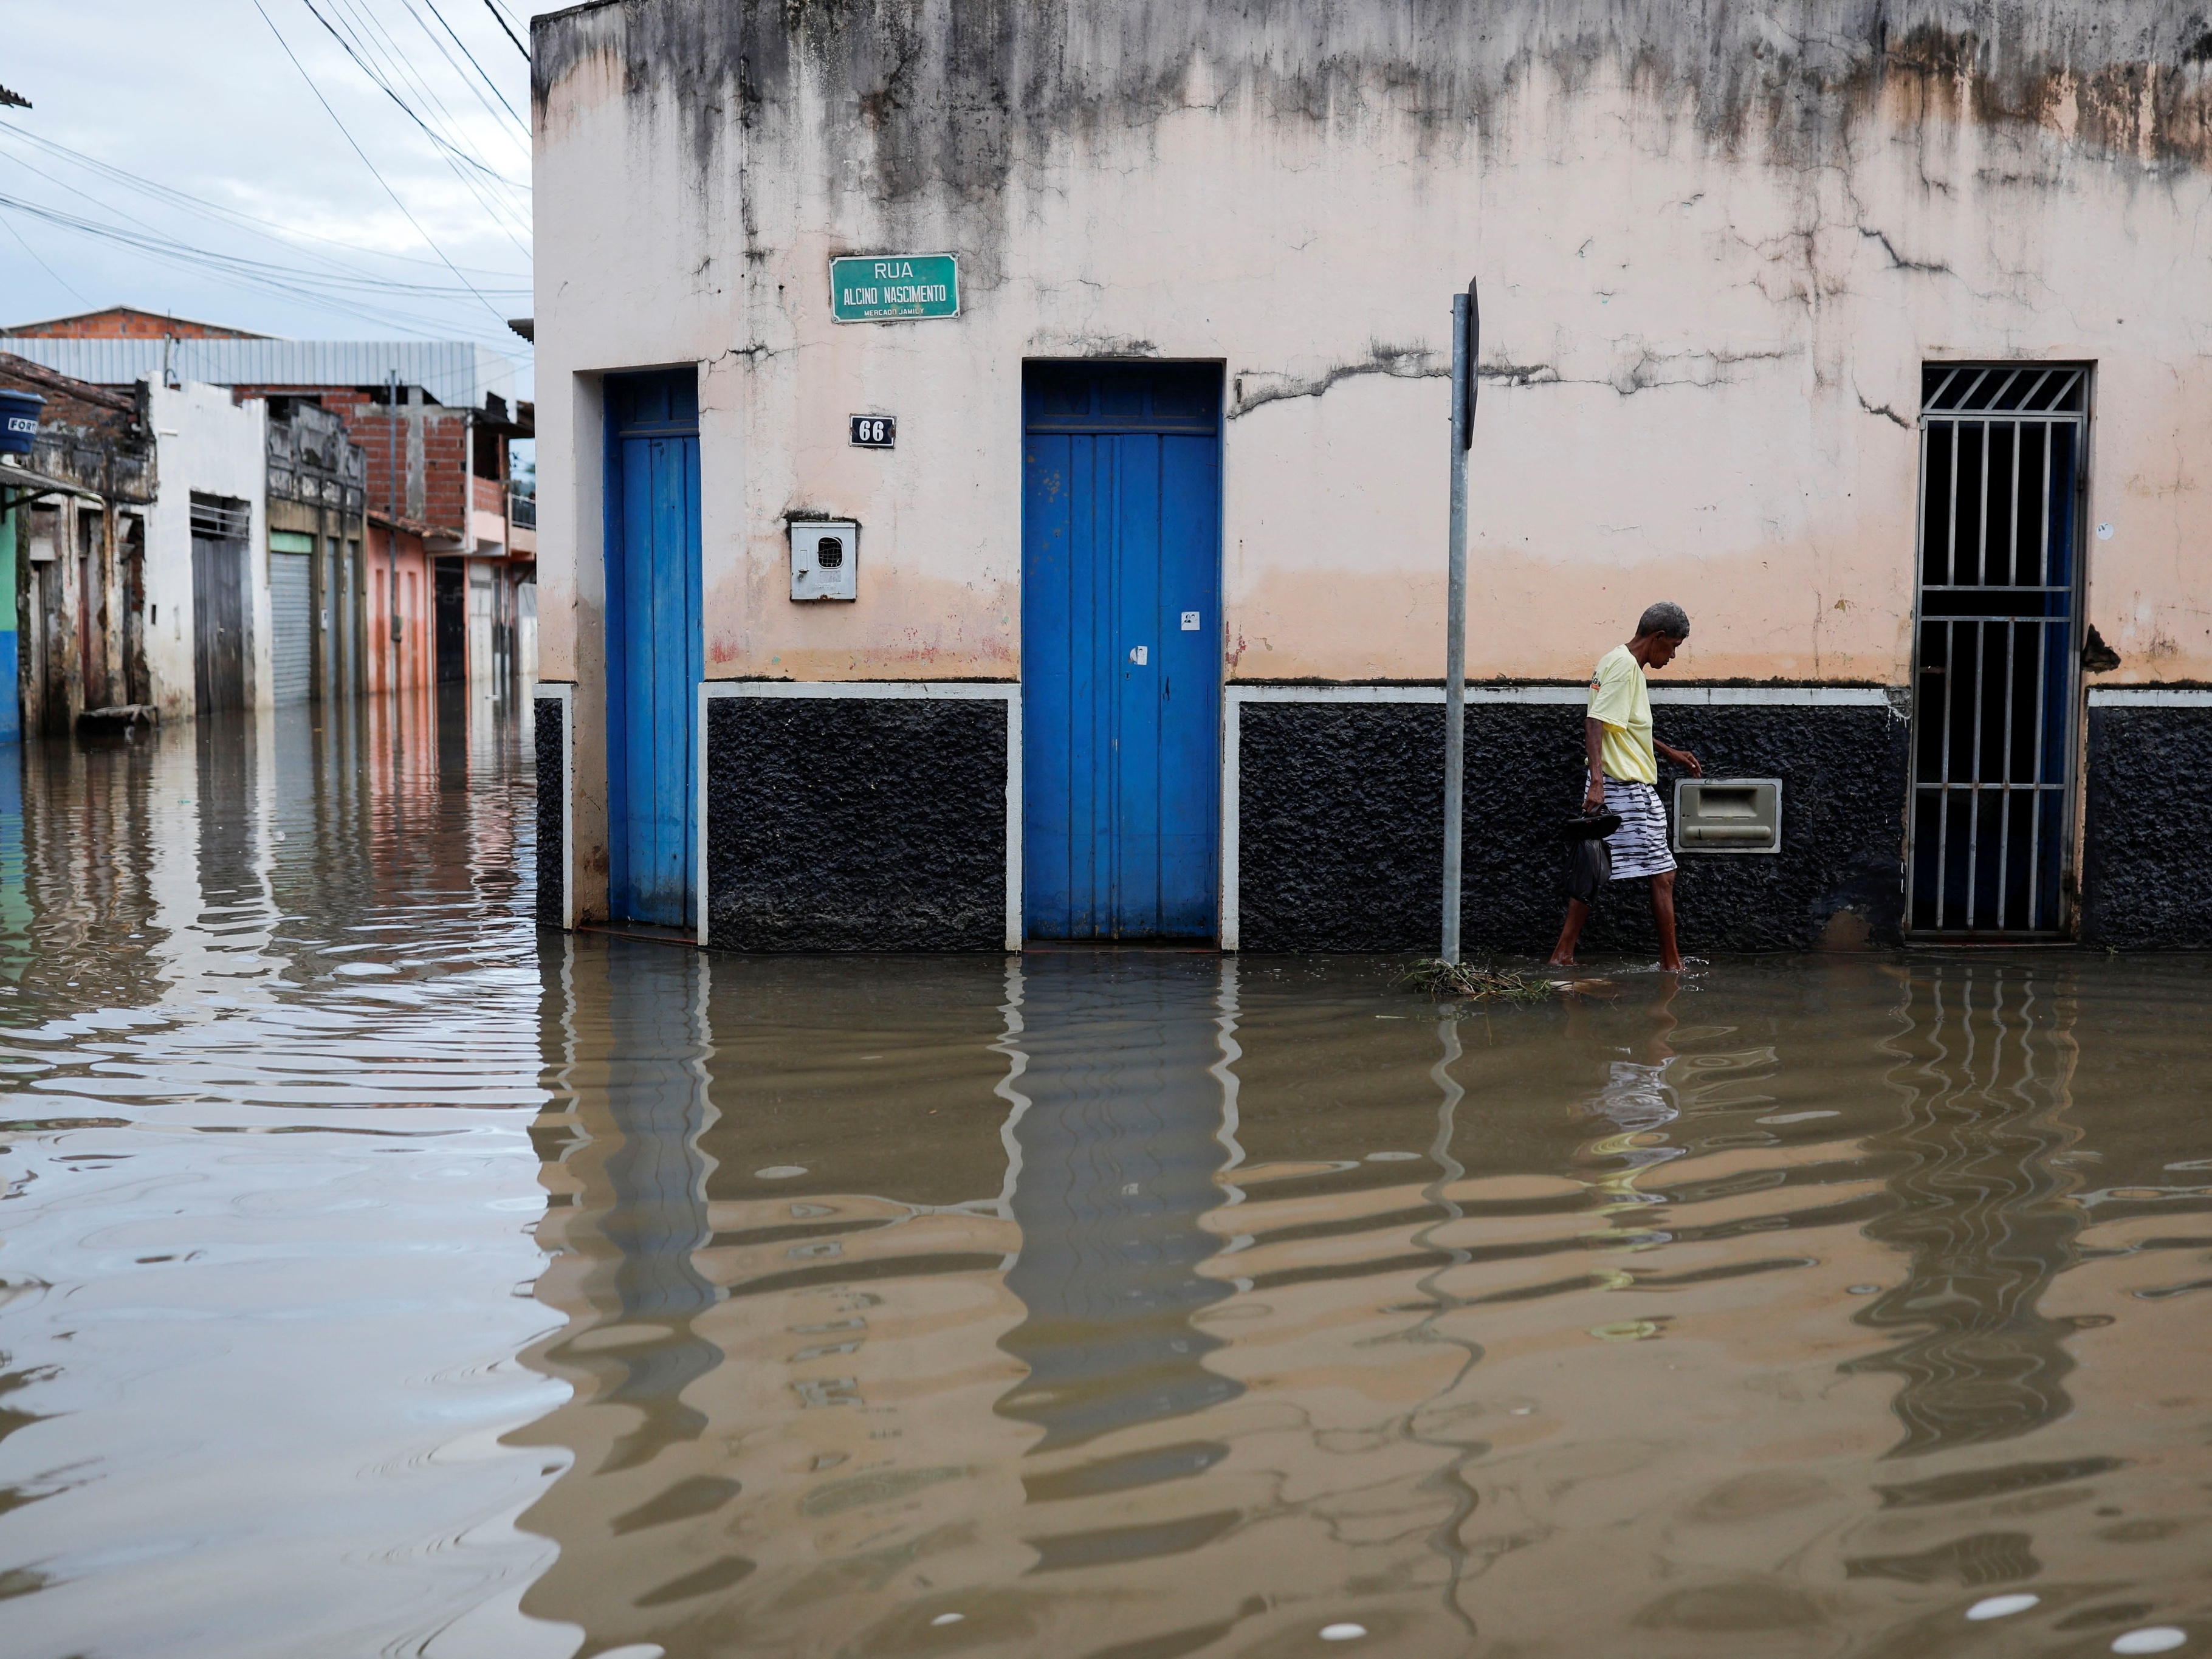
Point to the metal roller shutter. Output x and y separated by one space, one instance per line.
291 657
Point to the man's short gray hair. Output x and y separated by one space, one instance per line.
1665 618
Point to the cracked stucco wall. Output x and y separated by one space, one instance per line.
1715 248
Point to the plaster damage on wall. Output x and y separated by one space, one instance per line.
1714 249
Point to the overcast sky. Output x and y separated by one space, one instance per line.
199 97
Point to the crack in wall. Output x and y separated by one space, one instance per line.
1899 262
1251 389
1647 371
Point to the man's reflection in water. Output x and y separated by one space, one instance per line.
1119 1148
1985 1061
1639 1099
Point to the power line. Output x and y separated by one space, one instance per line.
43 265
172 196
366 22
154 241
509 32
439 139
432 6
370 164
398 61
246 274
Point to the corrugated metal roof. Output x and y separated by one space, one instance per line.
454 371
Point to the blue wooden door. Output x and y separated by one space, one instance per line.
1120 650
654 652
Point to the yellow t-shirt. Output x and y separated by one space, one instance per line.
1620 697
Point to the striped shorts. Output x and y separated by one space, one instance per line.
1639 846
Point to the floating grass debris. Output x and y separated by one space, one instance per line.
1481 981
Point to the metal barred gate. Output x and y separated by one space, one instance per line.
1996 649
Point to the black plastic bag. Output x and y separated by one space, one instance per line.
1590 856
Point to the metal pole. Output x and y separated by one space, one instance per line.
393 462
1466 334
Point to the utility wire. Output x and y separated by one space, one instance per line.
154 241
438 138
370 164
239 274
432 7
43 265
364 24
400 62
509 32
171 196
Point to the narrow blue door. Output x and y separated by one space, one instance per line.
1121 649
654 653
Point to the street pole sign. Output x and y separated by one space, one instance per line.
894 287
1467 345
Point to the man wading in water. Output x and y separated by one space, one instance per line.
1624 775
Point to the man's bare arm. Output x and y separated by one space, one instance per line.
1594 747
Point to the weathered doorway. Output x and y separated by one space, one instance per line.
655 651
1121 649
1995 650
452 622
221 526
291 610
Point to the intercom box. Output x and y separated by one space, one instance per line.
1728 815
825 559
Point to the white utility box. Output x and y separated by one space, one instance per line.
825 559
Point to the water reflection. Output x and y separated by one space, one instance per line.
1149 1304
1985 1062
268 1044
1120 1306
1118 1128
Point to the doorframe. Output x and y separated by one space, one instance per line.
2075 717
604 382
1224 904
1007 692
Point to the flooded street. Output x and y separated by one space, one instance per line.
380 1275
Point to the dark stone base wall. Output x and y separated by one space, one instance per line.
2149 799
552 855
1341 824
856 823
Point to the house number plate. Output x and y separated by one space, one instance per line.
874 431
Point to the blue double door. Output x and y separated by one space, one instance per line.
1121 650
655 656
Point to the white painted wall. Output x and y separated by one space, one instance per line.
207 443
1711 272
1719 344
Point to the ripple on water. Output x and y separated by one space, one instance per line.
415 1271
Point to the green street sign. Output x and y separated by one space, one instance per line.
894 287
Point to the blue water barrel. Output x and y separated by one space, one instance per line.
19 421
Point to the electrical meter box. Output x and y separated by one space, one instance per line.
1728 815
825 559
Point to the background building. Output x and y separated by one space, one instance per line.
1855 335
73 551
387 478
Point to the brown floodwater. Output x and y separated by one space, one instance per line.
381 1276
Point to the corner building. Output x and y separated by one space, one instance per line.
1868 334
